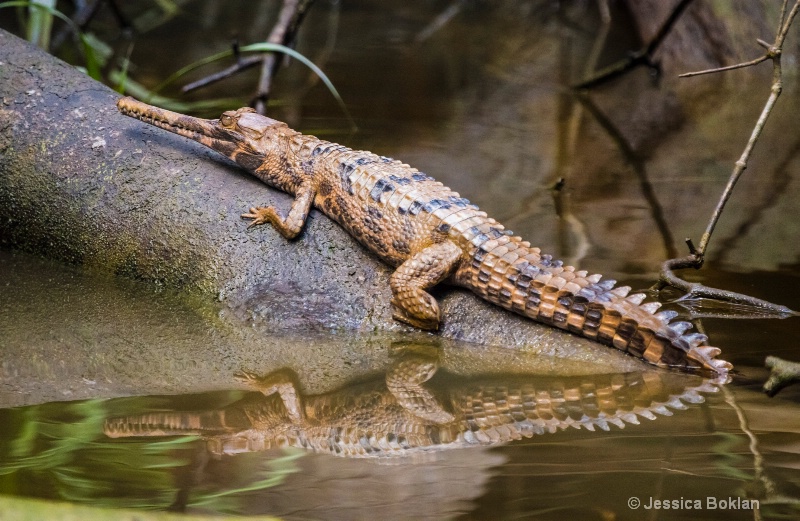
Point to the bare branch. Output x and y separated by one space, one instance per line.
697 256
289 19
697 291
785 27
727 68
239 66
643 56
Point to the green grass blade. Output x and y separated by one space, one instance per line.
40 23
274 47
92 62
262 47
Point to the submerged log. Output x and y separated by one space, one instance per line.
83 184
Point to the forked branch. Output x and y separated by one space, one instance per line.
643 56
696 256
283 32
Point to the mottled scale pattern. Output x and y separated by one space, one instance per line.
370 421
433 235
414 210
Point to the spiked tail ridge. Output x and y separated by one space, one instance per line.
167 424
510 273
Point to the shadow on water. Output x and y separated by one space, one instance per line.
641 168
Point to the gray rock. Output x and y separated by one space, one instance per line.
83 184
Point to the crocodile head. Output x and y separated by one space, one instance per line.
241 135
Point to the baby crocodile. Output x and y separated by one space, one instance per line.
399 416
433 235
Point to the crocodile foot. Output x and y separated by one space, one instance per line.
261 215
428 323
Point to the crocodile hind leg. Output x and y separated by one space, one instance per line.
404 380
291 225
423 270
283 382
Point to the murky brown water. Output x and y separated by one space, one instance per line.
481 105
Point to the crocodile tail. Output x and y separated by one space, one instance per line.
167 424
510 273
546 405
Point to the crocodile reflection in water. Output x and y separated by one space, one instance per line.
402 414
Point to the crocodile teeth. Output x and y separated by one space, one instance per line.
636 298
666 316
607 284
651 307
695 339
621 291
680 327
594 279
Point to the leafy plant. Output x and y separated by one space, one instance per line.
39 26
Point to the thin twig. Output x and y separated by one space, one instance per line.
241 65
722 69
643 56
697 255
283 31
81 17
777 190
289 19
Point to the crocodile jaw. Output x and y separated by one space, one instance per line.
209 132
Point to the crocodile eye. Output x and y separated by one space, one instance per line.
226 119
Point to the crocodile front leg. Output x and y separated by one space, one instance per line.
292 224
422 271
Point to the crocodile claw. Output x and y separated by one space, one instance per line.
259 215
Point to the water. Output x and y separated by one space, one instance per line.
479 104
